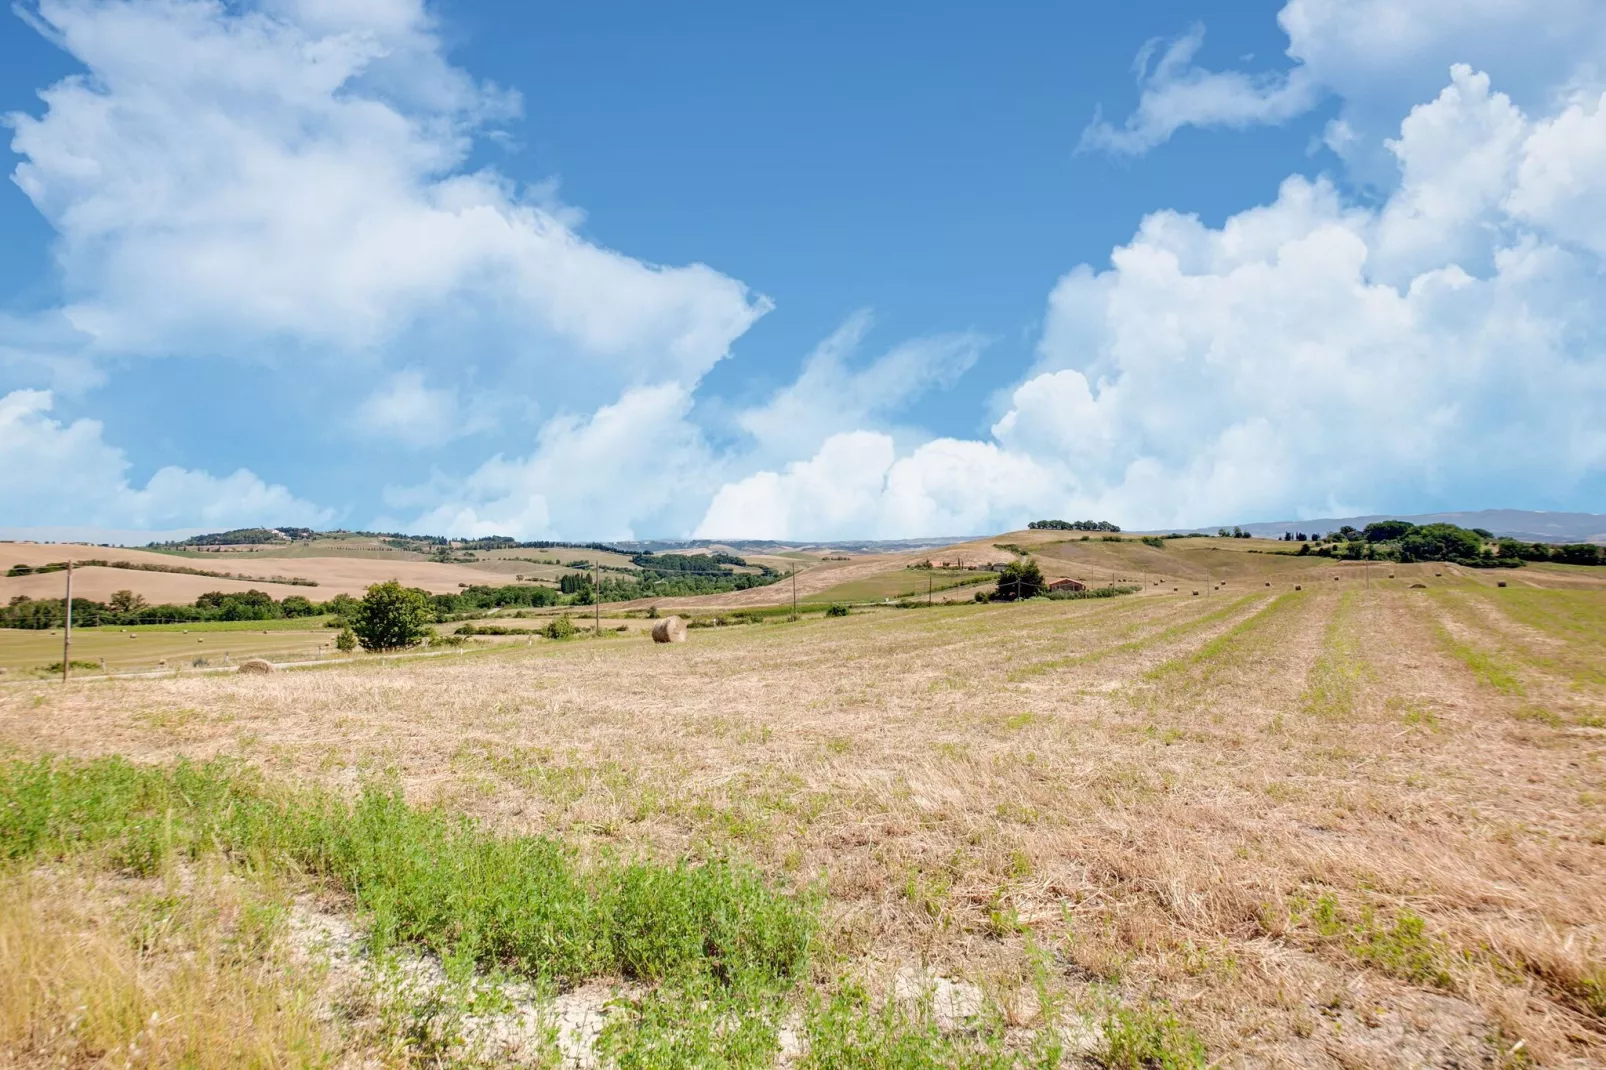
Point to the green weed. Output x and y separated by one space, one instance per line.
1149 1039
421 876
691 1028
845 1032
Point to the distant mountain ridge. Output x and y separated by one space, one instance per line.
1523 524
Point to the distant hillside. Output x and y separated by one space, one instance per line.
760 546
1517 523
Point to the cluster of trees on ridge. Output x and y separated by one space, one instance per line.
1073 525
1403 541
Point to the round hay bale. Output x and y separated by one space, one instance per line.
669 630
1297 587
257 665
1419 586
1502 583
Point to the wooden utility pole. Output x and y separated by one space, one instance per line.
928 590
794 590
66 631
596 592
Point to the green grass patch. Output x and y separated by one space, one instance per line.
284 624
1402 948
1149 1039
1164 635
845 1031
1230 643
421 876
1334 679
897 584
1485 666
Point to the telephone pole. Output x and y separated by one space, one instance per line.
66 631
596 593
794 592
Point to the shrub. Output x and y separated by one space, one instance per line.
836 610
1092 592
391 616
560 628
346 641
1020 579
1155 541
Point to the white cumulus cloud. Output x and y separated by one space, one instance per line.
292 176
67 474
633 468
1310 355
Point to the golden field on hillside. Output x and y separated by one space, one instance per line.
1359 824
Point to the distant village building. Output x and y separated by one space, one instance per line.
1067 585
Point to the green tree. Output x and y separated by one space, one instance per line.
125 601
1387 530
1440 542
297 606
343 606
391 616
346 641
1020 579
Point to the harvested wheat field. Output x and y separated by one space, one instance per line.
1337 827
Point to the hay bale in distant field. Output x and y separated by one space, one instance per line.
1419 586
669 630
257 665
1502 583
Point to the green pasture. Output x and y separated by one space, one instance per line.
903 583
147 647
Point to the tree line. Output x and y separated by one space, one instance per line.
1405 542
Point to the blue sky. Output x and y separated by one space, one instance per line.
616 270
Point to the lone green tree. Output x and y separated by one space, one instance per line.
1020 579
391 616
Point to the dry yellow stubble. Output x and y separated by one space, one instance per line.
1321 825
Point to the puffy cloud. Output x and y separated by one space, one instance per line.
1378 56
638 461
1559 185
857 487
1310 356
67 474
291 175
